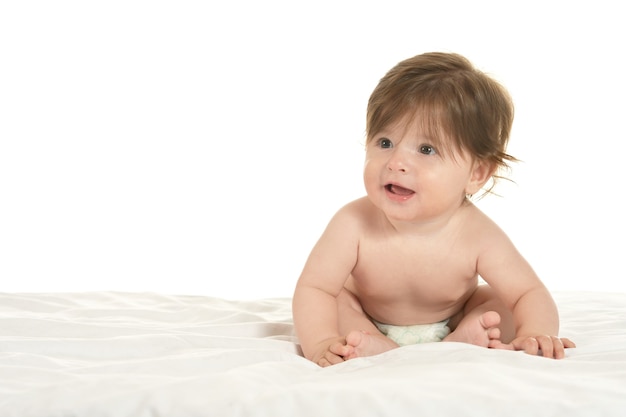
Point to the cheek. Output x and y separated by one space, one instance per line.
368 167
367 172
371 175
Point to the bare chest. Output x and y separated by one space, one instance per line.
403 283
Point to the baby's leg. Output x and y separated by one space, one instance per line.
485 321
361 334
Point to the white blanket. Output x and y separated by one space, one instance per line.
142 354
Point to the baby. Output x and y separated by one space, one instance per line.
402 265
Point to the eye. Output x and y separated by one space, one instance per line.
385 143
427 150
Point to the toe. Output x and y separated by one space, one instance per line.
490 319
494 333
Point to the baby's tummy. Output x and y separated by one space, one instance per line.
409 306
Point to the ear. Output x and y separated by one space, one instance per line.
482 171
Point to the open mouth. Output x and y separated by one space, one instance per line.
398 190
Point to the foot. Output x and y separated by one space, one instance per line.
365 344
480 330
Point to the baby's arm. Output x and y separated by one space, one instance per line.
315 318
315 298
516 283
537 328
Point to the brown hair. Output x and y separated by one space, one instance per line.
452 100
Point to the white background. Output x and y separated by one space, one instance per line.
201 147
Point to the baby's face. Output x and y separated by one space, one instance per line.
410 179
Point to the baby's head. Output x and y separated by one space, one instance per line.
459 107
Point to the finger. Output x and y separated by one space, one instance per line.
546 345
333 359
559 349
527 344
518 343
567 343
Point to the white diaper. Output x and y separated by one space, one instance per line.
417 333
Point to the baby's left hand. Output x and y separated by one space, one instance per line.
549 346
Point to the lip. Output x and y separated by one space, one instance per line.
396 192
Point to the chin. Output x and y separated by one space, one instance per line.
400 215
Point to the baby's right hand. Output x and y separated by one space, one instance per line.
331 351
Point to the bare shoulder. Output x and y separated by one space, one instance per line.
336 252
353 221
357 213
482 229
496 255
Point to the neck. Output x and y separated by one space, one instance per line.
430 227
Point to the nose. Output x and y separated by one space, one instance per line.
397 163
